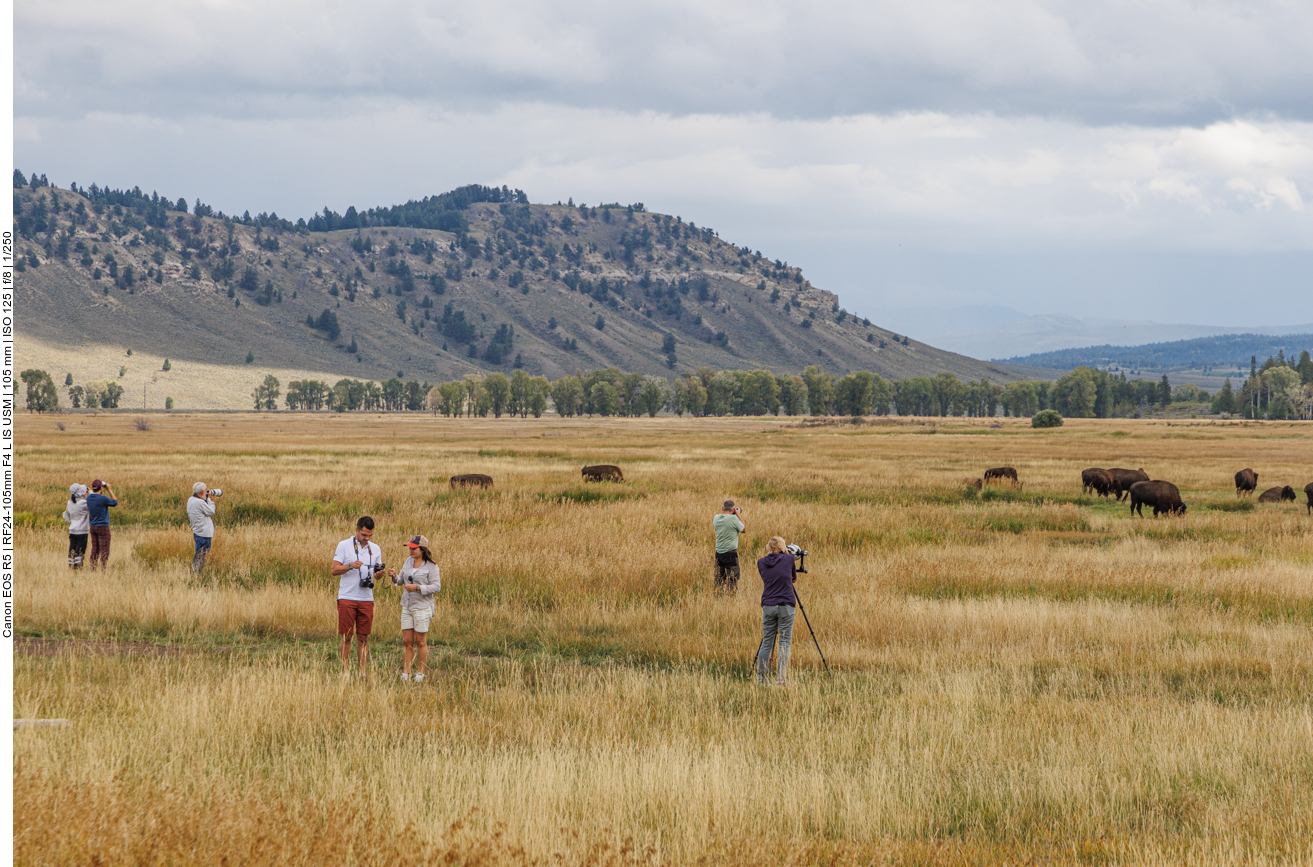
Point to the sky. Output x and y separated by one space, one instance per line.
1126 160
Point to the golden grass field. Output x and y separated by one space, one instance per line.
1019 676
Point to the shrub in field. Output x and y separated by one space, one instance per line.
1046 418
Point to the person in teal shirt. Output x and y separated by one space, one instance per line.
728 525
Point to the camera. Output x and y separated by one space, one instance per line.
215 492
368 580
801 555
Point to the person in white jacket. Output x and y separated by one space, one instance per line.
75 514
200 514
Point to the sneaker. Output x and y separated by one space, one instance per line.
405 676
419 678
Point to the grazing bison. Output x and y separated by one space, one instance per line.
1097 480
1277 495
1308 492
471 480
603 473
998 474
1163 496
1245 481
1122 480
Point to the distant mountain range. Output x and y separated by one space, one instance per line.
1000 332
1221 355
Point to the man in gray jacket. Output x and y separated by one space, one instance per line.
200 513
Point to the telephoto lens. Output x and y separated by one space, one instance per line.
215 492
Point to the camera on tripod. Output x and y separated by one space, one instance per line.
368 580
799 555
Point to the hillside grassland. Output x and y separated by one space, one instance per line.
1016 675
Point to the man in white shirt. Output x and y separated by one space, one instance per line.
200 514
354 564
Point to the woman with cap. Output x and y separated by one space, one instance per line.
79 524
419 580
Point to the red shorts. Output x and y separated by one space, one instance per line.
353 616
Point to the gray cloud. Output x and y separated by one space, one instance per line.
1055 156
1149 63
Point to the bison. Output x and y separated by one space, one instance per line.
1122 479
471 480
1277 495
1308 492
1245 481
998 474
1097 480
1163 496
603 473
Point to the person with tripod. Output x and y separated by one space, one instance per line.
778 570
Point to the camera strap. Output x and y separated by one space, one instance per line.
369 553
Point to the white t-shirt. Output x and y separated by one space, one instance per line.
369 554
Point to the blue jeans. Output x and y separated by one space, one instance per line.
202 550
775 620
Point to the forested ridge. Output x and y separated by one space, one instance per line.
473 281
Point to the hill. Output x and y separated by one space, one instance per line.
1223 354
471 281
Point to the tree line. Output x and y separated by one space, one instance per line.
1273 391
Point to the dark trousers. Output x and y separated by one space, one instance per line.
727 572
77 549
99 547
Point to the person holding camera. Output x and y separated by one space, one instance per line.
418 580
98 506
200 514
355 563
778 570
75 514
728 525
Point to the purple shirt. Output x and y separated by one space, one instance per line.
777 576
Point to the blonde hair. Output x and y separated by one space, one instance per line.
776 545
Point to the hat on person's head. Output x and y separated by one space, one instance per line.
418 542
97 484
77 490
729 504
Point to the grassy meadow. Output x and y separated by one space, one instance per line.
1017 675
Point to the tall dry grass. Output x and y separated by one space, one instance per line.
1016 674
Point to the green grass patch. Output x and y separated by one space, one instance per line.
587 496
1258 606
1229 506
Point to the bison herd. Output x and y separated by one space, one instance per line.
595 473
1135 487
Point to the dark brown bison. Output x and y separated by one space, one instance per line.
1308 492
1122 479
1163 496
1245 481
603 473
1277 495
1097 480
998 474
471 480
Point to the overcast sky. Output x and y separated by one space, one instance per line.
1126 160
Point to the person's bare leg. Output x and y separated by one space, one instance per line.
346 653
407 649
423 660
362 649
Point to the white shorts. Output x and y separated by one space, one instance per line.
416 618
